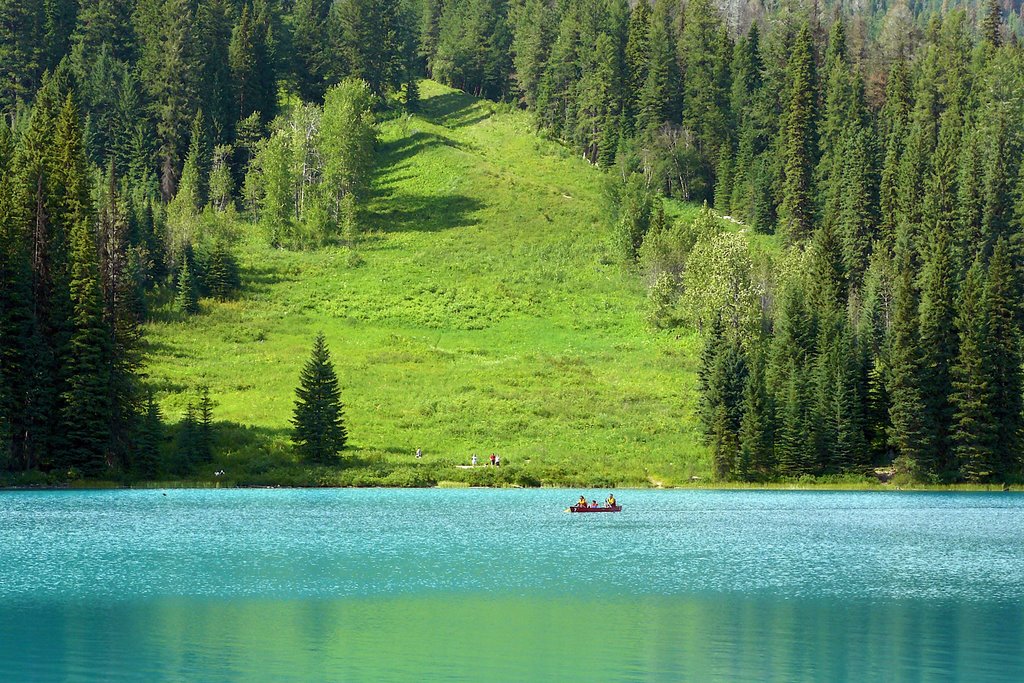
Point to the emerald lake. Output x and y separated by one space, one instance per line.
503 585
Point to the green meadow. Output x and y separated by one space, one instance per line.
482 312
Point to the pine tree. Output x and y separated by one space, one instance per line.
222 277
608 144
723 188
857 220
938 345
713 345
368 41
20 51
310 48
792 450
914 166
796 214
556 103
756 459
1004 361
251 59
534 28
319 427
599 98
86 400
893 122
170 74
840 111
634 217
15 308
970 238
907 407
6 444
212 33
185 446
186 298
996 181
973 432
848 399
788 374
991 23
204 427
706 91
100 22
638 59
724 400
828 282
146 460
123 305
659 99
430 32
872 333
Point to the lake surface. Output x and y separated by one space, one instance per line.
502 585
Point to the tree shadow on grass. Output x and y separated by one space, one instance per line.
259 280
426 213
455 109
248 456
396 151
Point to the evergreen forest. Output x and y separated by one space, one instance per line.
815 212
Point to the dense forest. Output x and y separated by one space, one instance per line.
879 148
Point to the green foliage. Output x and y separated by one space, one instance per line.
347 138
186 297
938 343
369 38
472 47
251 59
86 399
203 452
459 258
1002 314
974 427
799 143
718 280
222 274
635 210
756 456
319 427
145 463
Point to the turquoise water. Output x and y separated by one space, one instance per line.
501 585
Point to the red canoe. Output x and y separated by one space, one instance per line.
578 508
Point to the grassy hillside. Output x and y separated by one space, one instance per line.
482 315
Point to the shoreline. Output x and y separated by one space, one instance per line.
726 486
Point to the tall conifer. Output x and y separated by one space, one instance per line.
319 427
796 214
1003 321
974 428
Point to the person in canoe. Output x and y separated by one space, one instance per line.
582 502
611 500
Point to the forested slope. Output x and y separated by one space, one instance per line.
483 314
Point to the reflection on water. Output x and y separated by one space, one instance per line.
501 585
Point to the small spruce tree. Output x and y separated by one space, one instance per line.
186 299
146 463
319 427
185 450
204 427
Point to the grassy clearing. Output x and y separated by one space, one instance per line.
485 316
